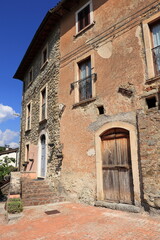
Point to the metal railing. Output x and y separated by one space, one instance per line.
156 59
85 86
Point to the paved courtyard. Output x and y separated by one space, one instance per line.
68 221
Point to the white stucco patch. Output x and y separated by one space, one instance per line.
138 34
130 49
105 51
91 152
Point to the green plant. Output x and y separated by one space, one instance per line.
6 167
2 149
14 205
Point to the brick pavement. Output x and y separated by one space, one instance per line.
68 221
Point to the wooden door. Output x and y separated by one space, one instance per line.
43 156
116 167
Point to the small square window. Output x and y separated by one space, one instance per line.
84 17
101 110
151 102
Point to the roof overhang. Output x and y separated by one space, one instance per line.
50 20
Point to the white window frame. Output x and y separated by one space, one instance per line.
149 44
30 80
30 103
27 152
91 16
76 87
40 116
43 63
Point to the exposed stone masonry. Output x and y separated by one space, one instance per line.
149 145
48 76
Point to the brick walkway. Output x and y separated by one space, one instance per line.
69 221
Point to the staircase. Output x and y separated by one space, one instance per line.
37 192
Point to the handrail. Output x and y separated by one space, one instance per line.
92 77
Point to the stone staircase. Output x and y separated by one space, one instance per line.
37 192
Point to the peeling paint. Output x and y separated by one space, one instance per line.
138 34
105 51
91 152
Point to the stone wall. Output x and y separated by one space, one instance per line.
48 76
149 145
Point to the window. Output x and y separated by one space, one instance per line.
30 76
43 105
44 55
27 153
84 17
28 117
151 31
84 84
101 110
85 80
151 102
155 30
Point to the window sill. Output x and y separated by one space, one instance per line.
43 121
152 80
27 131
84 29
44 64
84 102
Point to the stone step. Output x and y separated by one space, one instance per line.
41 201
37 190
35 184
42 195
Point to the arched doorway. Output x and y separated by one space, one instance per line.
109 136
116 166
42 169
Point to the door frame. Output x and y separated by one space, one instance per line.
134 158
39 154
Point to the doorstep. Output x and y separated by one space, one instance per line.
119 206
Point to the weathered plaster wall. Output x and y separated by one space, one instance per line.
115 43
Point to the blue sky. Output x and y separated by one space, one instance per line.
19 20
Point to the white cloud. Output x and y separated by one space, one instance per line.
6 113
7 137
13 145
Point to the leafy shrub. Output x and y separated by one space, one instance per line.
14 205
6 168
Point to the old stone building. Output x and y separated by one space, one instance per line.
91 122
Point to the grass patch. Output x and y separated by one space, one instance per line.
14 205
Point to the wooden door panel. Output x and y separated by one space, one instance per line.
122 151
111 185
109 152
125 186
116 166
